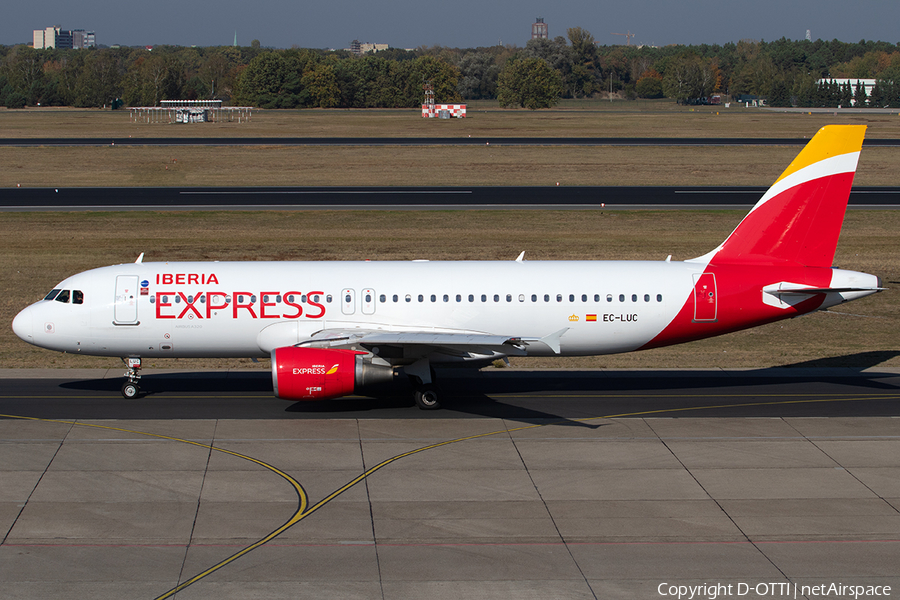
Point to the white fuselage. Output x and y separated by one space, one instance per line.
247 309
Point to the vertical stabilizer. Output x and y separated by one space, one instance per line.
798 221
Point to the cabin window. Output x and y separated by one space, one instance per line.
203 298
571 297
382 298
458 298
521 297
290 298
408 298
395 298
659 297
433 298
484 297
51 295
446 298
609 297
621 297
302 299
328 298
534 297
496 297
471 297
77 297
634 297
584 297
421 298
646 297
348 298
559 297
546 297
368 297
509 297
596 297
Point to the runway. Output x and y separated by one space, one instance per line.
552 484
407 198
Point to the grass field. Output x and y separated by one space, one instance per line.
39 249
596 118
487 165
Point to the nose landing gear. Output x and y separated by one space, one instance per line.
131 389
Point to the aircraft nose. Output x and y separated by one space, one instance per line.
23 325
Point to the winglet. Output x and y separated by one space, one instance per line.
521 257
140 259
552 340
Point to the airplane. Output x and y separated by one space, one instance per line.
332 329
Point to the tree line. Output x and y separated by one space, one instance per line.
537 75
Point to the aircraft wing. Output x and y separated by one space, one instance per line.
416 344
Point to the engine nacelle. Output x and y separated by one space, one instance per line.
319 374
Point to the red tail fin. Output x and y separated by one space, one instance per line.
799 219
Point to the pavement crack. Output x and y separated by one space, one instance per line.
36 484
562 538
190 542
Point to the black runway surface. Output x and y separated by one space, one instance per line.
319 198
510 394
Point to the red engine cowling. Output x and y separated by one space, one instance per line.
320 374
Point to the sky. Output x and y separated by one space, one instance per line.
457 23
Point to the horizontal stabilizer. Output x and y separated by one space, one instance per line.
840 290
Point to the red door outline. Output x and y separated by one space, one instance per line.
705 298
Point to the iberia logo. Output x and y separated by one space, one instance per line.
332 370
573 318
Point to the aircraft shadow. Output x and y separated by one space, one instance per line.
529 396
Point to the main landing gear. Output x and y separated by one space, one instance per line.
422 377
131 389
426 397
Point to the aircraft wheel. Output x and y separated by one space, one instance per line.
130 390
427 399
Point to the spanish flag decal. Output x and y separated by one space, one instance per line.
590 317
332 370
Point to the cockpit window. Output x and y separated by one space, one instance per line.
51 295
63 296
77 297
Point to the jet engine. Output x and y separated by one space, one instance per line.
319 374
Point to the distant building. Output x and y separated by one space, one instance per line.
57 37
539 29
359 48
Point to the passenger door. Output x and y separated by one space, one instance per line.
126 311
705 299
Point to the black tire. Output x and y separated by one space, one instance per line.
427 399
130 390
